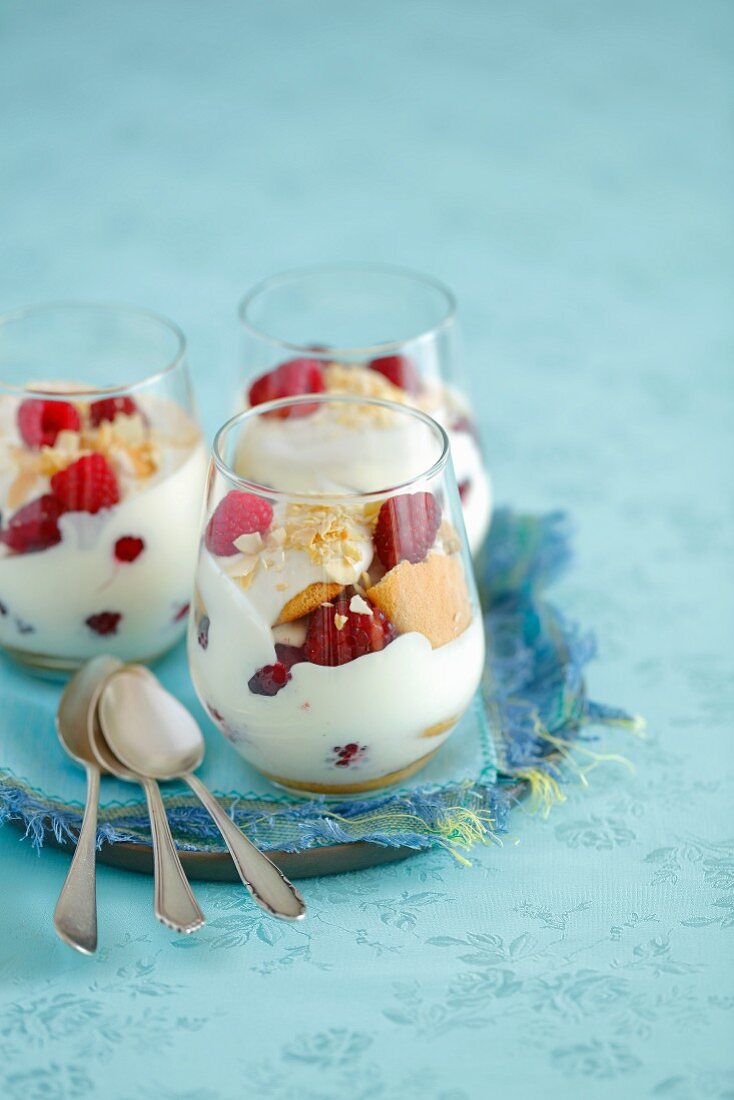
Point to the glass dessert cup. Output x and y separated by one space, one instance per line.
335 636
102 469
373 331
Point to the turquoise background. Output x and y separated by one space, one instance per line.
567 167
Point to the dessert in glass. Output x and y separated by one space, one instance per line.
335 636
373 331
102 469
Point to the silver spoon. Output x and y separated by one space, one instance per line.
174 903
75 916
163 741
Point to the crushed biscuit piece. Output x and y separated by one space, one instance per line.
313 596
441 727
21 489
448 538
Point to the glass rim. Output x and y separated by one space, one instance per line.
363 351
327 497
81 305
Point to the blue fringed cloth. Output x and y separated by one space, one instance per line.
532 713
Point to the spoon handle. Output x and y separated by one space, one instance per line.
75 916
266 883
175 904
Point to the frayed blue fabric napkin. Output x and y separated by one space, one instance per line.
532 709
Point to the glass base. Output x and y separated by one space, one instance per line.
343 791
62 668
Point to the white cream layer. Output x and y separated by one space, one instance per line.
324 453
477 502
383 701
56 590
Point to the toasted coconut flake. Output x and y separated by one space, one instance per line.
131 430
331 536
345 379
67 448
123 442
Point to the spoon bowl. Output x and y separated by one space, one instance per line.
164 741
153 734
103 754
77 700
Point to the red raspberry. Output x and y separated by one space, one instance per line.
269 679
88 485
291 379
464 487
128 548
362 633
406 528
34 526
463 425
399 370
237 514
104 622
181 612
289 655
40 421
345 755
108 408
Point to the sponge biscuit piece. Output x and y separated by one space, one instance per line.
430 597
308 600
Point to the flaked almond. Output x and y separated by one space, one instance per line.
242 566
359 606
249 544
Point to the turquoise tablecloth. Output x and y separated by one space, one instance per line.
567 168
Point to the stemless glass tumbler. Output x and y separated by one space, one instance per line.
374 331
101 473
335 636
